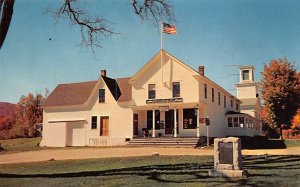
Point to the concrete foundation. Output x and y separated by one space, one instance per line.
227 173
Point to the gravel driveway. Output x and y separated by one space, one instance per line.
83 153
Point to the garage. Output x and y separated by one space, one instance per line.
76 133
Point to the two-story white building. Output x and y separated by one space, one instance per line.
165 98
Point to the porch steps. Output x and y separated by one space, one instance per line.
166 142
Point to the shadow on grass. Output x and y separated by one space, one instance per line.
260 168
261 142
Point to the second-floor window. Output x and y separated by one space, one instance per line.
176 89
219 98
213 95
205 91
224 101
231 103
101 95
151 91
237 106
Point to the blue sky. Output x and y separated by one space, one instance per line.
213 33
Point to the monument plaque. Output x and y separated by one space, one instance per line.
226 153
227 158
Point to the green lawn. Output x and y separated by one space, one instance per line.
20 144
292 143
150 171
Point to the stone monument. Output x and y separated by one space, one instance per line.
227 158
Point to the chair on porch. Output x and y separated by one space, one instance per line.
146 132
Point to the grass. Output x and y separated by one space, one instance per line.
150 171
292 143
21 144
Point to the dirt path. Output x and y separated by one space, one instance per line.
83 153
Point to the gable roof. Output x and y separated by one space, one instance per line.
70 94
125 88
154 59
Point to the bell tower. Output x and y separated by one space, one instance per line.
247 87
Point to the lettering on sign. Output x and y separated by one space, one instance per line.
171 100
226 153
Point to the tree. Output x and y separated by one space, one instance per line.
28 114
280 89
22 123
92 29
6 12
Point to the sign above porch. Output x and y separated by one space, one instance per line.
171 100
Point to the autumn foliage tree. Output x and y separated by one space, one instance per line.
22 123
280 89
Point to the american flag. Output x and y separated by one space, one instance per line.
169 29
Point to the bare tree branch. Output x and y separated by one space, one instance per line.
93 29
154 10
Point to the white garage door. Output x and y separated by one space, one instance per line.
76 134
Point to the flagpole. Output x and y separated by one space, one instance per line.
161 48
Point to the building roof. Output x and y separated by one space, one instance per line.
78 93
233 112
112 86
70 94
125 88
249 102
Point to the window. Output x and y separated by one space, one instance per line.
245 74
236 106
189 118
213 95
229 122
158 125
176 89
101 95
224 101
236 121
231 103
205 91
241 122
151 91
219 98
94 122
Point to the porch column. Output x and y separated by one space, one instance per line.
153 123
175 123
198 124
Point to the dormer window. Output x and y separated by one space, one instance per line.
246 74
101 95
151 91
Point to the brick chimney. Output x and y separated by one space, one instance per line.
201 70
103 73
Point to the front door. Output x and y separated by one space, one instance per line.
135 124
169 122
104 126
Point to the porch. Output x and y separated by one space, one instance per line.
167 121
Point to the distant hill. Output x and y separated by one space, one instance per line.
7 108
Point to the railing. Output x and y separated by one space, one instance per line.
241 131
